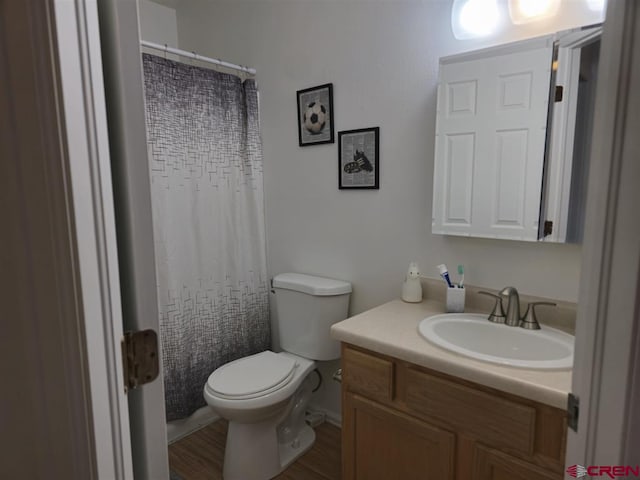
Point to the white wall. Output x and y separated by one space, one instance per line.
382 58
158 23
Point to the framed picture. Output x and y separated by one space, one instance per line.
315 115
359 158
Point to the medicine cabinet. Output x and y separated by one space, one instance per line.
513 136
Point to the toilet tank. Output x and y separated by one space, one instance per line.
306 308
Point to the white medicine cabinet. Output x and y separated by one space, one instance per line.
512 138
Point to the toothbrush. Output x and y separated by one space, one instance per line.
461 273
444 273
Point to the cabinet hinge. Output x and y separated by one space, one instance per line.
548 228
573 412
139 358
559 93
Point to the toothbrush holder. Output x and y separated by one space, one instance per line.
455 299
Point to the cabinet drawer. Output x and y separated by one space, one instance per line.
367 375
497 421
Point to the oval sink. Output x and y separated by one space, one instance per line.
472 335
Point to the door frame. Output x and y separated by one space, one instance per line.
607 334
122 60
86 140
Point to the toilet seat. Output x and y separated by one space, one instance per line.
253 376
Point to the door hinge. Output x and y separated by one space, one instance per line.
559 93
139 358
573 412
548 228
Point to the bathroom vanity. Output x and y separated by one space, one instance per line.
414 411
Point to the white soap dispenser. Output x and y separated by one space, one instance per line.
411 287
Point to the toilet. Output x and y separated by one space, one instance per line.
264 396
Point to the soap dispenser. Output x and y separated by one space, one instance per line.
412 288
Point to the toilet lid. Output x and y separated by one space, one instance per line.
252 376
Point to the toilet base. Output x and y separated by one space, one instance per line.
291 451
253 452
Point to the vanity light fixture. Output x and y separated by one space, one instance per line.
474 18
525 11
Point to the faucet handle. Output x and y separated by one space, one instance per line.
497 314
507 291
529 321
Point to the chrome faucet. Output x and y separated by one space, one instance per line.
513 306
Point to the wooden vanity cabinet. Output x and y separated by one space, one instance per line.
402 421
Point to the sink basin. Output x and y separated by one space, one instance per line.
472 335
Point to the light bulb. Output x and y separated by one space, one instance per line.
524 11
534 8
474 18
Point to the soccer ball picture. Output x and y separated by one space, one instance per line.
315 117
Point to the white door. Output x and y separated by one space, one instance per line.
62 409
492 119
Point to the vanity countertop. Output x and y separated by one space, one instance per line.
392 329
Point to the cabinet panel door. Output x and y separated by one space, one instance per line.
382 444
494 465
490 142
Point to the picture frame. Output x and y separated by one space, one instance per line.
359 159
315 115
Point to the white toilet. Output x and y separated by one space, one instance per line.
264 396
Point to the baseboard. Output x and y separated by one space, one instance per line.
334 419
331 417
202 417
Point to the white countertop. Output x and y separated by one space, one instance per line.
392 329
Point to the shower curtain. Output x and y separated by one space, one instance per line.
209 238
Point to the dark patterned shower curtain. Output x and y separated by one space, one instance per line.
205 156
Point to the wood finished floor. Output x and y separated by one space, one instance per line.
199 456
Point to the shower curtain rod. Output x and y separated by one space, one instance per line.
195 56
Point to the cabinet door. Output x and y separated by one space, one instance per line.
490 141
382 444
494 465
